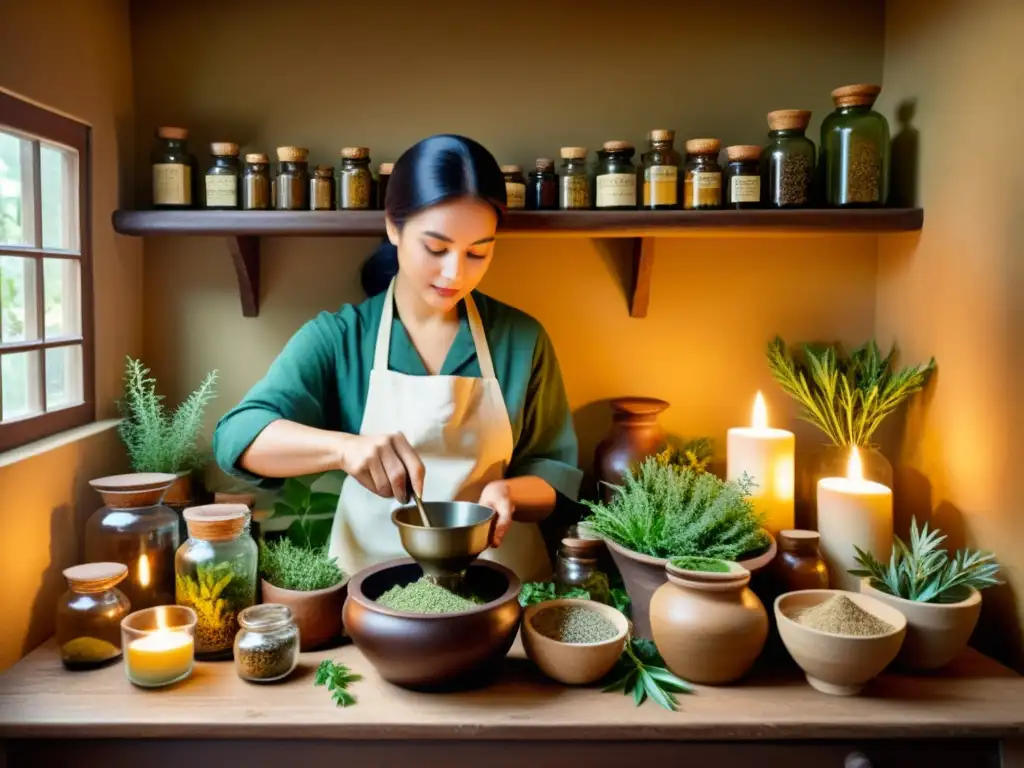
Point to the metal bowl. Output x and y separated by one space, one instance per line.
458 533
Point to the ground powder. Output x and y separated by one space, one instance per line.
573 624
839 615
424 596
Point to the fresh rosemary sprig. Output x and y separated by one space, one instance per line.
641 673
337 678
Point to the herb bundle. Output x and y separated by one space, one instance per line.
337 678
641 672
285 564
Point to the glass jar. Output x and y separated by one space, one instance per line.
222 178
384 176
355 182
135 528
256 183
515 186
173 168
159 645
743 176
800 564
321 189
788 160
542 187
89 615
855 149
576 567
661 171
615 180
267 645
702 179
574 181
292 181
216 574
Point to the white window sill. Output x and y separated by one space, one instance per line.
24 452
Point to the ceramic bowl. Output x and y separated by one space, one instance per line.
574 663
429 651
838 664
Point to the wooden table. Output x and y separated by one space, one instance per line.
963 717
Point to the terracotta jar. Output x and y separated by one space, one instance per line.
709 627
800 564
635 435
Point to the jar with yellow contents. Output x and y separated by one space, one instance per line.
702 179
661 171
355 181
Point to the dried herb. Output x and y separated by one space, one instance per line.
217 593
267 657
287 565
337 678
425 596
705 564
641 672
839 615
794 183
573 624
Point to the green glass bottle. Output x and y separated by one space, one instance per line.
855 149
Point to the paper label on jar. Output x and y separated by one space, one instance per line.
702 189
172 184
616 190
515 194
745 189
575 192
222 191
355 189
661 185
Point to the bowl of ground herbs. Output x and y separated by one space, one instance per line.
574 641
841 640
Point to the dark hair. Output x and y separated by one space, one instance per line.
430 172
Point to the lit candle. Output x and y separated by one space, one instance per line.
159 656
852 512
766 455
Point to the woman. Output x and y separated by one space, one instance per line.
427 383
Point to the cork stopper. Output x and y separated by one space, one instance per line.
224 149
743 152
292 154
616 146
798 540
573 153
222 497
171 132
324 172
511 169
355 153
584 548
386 169
861 94
663 134
257 157
216 522
789 119
545 164
133 491
95 577
703 146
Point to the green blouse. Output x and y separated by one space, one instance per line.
322 376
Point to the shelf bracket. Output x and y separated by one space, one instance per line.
245 254
643 270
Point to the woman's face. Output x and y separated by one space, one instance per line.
444 251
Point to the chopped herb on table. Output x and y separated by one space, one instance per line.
337 678
641 672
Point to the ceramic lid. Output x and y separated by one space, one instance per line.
95 577
136 481
216 522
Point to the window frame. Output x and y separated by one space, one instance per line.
37 124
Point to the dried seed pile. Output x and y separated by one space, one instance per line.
839 615
573 624
864 175
424 596
265 657
794 182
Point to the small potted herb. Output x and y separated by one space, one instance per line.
939 595
310 583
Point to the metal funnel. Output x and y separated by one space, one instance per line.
459 531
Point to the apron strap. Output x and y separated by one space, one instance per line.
476 327
381 353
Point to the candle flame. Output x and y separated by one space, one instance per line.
142 572
760 418
854 469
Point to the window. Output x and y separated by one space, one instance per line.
46 354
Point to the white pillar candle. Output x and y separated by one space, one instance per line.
853 511
766 455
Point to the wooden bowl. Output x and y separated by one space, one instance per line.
574 663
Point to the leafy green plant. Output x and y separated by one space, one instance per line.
337 678
667 511
641 673
845 396
533 592
695 454
285 564
216 593
310 529
156 440
924 572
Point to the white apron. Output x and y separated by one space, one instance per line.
460 429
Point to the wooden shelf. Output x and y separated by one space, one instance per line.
245 228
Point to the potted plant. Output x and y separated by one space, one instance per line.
939 595
311 513
158 440
310 583
663 511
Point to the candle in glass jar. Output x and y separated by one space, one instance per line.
161 655
767 456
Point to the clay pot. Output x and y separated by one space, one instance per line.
433 651
317 613
635 434
179 495
574 663
936 632
709 627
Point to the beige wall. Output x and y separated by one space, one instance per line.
73 57
957 291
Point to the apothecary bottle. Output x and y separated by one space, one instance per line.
576 568
215 574
292 183
515 186
855 149
743 176
89 615
800 564
383 176
542 186
321 189
222 177
661 171
355 182
574 184
173 168
615 179
702 178
256 183
788 160
267 644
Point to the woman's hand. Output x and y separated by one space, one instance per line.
497 496
383 464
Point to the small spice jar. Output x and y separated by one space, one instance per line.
89 615
515 186
615 182
542 187
267 645
292 183
576 567
256 183
355 182
855 149
661 171
788 160
383 176
574 182
743 176
172 168
800 564
321 189
222 178
702 180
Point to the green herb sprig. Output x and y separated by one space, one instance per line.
533 592
641 673
287 565
337 678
